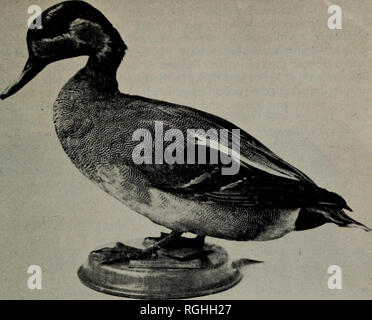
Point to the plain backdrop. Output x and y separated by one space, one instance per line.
271 67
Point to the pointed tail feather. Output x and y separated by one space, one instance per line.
359 225
339 217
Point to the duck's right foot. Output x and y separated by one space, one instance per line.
123 253
177 242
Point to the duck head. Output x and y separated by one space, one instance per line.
70 29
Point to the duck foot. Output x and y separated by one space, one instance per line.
180 248
124 253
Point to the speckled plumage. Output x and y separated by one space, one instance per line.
97 136
95 123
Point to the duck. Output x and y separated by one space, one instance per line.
264 200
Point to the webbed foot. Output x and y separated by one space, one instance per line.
123 253
179 248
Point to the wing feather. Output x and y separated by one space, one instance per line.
264 178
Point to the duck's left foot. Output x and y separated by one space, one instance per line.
123 253
120 253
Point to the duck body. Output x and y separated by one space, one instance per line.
96 133
264 200
96 128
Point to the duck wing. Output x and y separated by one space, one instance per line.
263 178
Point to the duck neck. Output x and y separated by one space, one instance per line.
103 65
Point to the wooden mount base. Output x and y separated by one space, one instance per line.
162 277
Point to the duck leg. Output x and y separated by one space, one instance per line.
124 253
198 241
163 242
176 242
180 248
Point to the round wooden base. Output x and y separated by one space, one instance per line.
162 278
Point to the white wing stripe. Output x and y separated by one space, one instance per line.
237 157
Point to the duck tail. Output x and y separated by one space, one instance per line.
339 217
342 219
326 207
332 207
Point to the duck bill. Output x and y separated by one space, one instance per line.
30 71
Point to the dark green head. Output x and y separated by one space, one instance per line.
69 29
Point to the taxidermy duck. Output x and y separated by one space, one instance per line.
264 200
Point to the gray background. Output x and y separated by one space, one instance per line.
271 67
